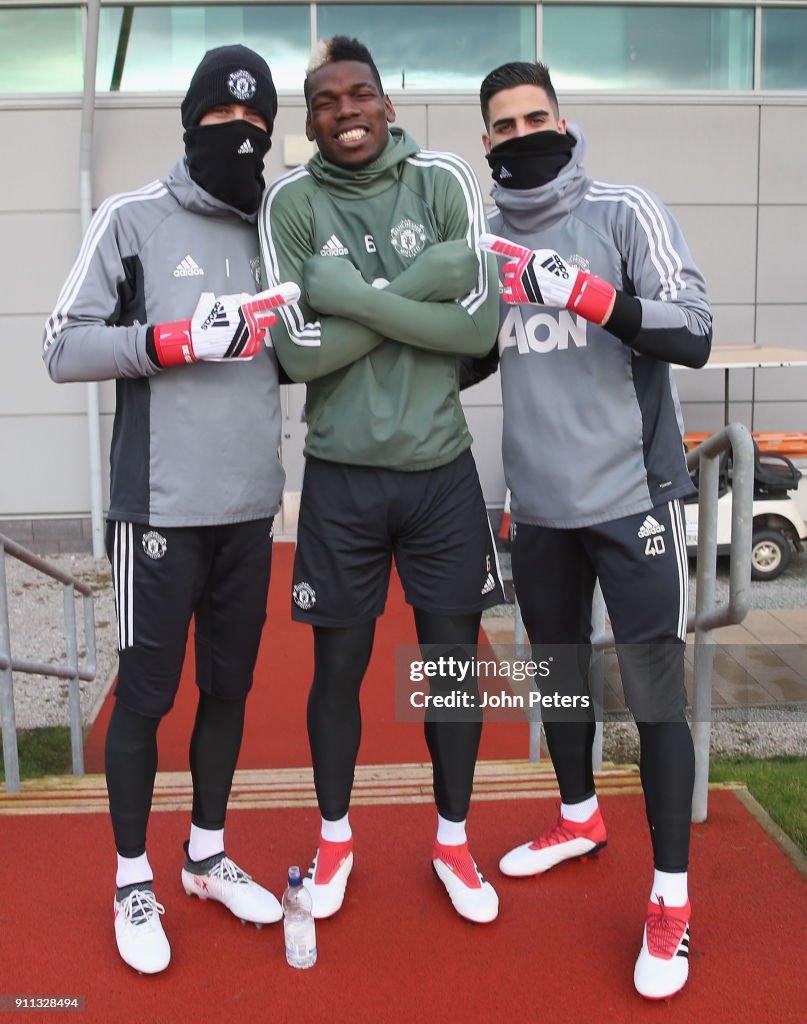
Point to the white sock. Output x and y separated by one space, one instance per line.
450 833
133 869
579 812
671 886
338 831
205 842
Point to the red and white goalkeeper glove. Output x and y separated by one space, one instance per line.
227 327
540 277
257 309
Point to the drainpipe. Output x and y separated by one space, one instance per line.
85 214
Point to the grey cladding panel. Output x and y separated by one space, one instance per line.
703 385
39 169
689 153
732 325
783 325
722 240
702 416
292 435
25 387
486 427
414 118
782 230
37 252
460 131
48 474
788 384
121 162
784 416
782 178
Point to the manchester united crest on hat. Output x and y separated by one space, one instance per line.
242 85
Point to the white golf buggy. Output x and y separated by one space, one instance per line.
778 526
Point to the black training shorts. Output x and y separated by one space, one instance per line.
353 519
163 577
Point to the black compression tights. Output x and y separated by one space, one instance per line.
215 745
131 765
667 768
334 715
570 747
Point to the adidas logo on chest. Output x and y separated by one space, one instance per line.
188 267
333 247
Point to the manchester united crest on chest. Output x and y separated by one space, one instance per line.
408 238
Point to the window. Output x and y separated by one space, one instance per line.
784 48
649 47
41 50
157 49
434 46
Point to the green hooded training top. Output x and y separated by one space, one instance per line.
394 291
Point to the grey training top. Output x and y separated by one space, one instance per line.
592 425
192 445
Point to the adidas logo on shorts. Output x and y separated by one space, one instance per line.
650 527
490 584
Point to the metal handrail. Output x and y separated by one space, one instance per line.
69 670
708 615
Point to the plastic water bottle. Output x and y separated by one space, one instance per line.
298 923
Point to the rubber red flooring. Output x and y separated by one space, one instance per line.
275 734
561 952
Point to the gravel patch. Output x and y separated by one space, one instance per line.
736 732
788 591
36 623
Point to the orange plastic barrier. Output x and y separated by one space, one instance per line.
783 443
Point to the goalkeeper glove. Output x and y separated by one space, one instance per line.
227 327
540 277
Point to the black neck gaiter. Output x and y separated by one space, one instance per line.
530 160
226 160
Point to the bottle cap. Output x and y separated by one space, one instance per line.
295 878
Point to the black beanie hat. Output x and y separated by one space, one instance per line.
230 74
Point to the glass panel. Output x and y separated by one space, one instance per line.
165 44
784 49
41 50
434 46
643 47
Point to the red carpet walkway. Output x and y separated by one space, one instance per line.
275 734
561 952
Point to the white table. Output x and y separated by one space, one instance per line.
754 357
